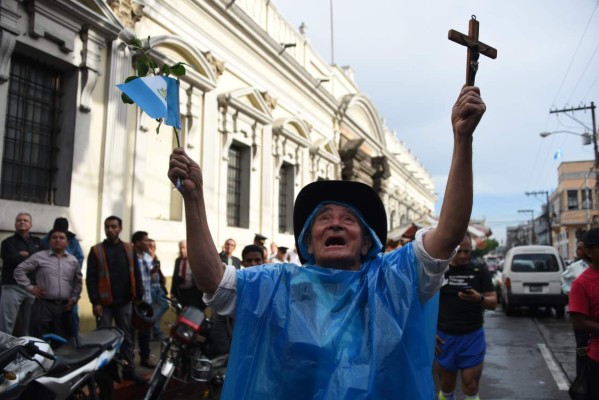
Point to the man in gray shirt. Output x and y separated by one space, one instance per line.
58 288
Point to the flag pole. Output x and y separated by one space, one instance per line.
177 136
332 37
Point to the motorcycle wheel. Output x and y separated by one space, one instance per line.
215 391
158 382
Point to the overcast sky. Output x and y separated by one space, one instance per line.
402 59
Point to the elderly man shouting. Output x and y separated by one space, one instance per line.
353 323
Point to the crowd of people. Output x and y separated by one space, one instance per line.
42 282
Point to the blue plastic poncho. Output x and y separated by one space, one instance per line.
318 333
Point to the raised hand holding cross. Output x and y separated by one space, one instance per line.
475 47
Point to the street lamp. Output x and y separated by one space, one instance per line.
587 138
532 224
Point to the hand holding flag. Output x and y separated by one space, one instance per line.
156 95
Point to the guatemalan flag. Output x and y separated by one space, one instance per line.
157 96
558 154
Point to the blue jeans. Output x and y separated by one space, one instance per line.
160 307
76 319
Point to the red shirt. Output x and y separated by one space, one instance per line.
584 299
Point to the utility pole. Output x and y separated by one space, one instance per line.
532 225
585 202
594 134
547 212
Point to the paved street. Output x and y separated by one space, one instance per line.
530 356
520 355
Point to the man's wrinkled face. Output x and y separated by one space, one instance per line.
58 241
183 250
112 229
463 255
23 223
251 259
337 239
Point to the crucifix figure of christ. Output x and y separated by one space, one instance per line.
475 48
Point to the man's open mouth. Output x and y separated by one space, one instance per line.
334 241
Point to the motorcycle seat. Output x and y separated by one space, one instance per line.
81 350
102 338
69 358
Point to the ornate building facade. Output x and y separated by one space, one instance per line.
262 112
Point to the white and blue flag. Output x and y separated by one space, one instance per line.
558 154
157 96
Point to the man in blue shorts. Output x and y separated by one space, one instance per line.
352 323
467 290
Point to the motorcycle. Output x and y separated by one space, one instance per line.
56 369
187 355
21 361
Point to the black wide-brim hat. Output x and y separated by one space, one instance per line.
359 195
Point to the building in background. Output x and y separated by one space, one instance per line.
262 112
572 211
572 205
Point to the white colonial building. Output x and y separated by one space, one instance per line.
262 113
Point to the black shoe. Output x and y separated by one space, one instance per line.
134 377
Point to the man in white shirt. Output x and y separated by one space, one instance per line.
574 270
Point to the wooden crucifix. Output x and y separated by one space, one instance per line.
475 48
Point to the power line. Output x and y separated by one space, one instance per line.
583 72
575 52
594 136
590 88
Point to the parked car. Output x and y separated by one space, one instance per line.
492 262
497 284
531 277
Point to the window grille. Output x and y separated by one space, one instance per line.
33 109
234 187
572 199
